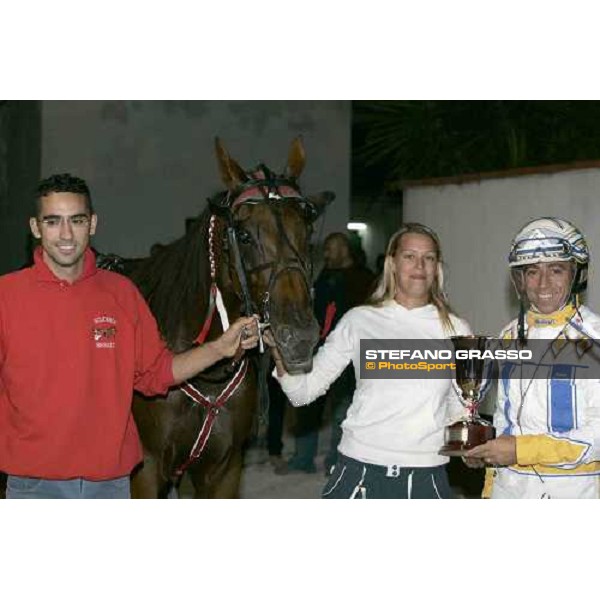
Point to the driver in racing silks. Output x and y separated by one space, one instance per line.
549 425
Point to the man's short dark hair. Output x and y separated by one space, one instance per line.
63 182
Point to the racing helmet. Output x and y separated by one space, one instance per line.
551 239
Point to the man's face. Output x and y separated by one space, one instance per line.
64 227
335 253
547 285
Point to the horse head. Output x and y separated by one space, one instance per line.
266 225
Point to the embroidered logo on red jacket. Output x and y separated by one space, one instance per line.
104 332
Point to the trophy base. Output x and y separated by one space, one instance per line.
466 434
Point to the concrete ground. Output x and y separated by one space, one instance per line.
260 481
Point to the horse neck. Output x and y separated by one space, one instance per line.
176 283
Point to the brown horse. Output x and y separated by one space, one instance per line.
252 244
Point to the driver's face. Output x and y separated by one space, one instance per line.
547 285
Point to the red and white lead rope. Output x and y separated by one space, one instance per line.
215 299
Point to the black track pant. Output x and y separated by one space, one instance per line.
357 480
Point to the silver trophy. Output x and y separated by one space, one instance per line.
472 430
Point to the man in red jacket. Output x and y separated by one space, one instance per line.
74 343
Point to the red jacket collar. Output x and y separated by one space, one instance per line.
43 272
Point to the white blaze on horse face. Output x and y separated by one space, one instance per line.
64 227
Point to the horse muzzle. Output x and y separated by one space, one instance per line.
296 343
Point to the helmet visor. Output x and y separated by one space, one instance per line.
533 250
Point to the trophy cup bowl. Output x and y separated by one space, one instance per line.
472 430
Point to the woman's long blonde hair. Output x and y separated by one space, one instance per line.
386 286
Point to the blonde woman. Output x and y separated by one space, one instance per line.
394 428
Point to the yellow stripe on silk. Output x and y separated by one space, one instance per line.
548 450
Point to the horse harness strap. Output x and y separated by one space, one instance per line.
239 268
213 408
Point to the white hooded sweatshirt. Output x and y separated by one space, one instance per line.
390 421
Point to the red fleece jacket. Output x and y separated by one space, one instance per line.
70 356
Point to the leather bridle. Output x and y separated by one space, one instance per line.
275 192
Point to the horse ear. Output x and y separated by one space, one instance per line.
320 201
296 159
231 173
